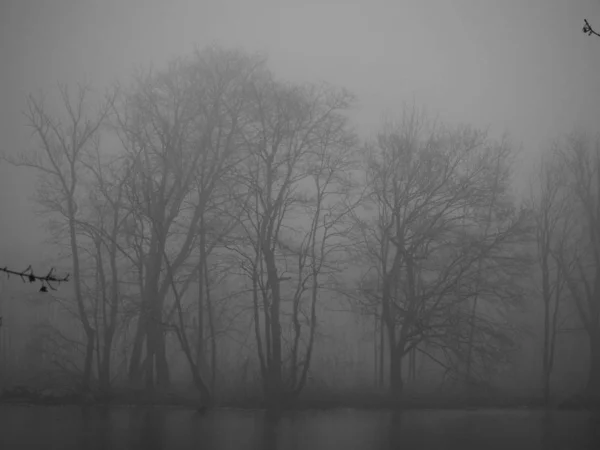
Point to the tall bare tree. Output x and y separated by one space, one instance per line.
577 251
424 227
547 202
107 214
300 150
63 144
180 128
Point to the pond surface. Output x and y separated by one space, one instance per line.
66 428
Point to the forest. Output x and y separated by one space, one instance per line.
231 239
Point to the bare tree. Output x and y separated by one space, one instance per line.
548 205
180 329
107 215
291 229
180 128
577 251
425 227
58 160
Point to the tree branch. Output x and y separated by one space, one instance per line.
587 29
28 275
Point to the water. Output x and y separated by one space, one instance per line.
66 428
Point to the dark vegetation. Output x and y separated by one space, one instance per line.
216 220
324 400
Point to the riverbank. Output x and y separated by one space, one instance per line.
308 400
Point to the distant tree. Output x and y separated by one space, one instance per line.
577 247
103 226
180 131
547 202
291 228
436 246
59 160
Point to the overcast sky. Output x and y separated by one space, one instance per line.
522 66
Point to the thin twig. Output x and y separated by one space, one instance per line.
587 29
46 280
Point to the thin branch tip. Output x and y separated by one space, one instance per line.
587 29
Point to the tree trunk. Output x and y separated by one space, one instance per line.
162 365
381 351
546 369
375 353
275 369
396 382
109 328
275 366
149 361
152 345
213 333
135 360
89 331
311 340
593 384
200 384
469 364
154 331
200 344
89 359
412 365
546 387
104 370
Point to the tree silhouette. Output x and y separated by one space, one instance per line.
587 29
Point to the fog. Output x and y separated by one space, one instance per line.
524 69
280 204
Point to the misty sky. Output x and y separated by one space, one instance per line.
522 66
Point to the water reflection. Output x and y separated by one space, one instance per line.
546 430
594 429
152 429
395 429
161 428
270 432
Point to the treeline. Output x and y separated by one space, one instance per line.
211 194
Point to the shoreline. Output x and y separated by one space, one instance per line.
339 402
